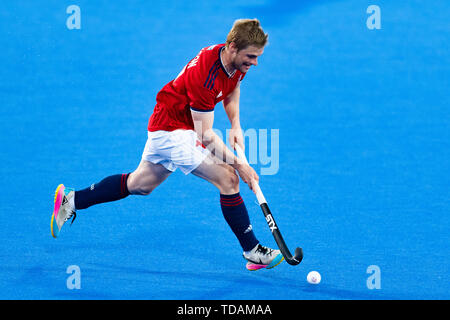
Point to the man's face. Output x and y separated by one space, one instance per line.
247 57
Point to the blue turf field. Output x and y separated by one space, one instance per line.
363 119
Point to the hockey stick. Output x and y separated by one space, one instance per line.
292 260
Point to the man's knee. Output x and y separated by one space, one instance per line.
142 191
229 184
136 185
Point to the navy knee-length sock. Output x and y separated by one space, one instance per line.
236 215
109 189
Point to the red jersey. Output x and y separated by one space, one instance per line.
201 84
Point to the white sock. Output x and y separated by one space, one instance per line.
251 251
72 201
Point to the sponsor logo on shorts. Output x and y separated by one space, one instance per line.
198 143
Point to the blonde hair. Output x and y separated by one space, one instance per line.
247 32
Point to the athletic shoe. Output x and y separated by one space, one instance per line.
262 257
63 210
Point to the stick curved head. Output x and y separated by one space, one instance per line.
296 259
298 255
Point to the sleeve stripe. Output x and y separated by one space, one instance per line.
213 70
214 79
200 110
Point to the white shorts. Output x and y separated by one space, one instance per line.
175 149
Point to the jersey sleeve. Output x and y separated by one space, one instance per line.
201 97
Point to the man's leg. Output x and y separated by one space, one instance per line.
142 181
224 177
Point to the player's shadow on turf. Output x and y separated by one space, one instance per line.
211 285
334 293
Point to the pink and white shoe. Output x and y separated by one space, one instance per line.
63 210
261 257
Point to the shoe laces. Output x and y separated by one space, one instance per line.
72 212
264 250
72 215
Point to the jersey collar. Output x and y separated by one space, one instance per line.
223 67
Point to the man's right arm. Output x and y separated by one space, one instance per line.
203 122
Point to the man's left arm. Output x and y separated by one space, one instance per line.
231 104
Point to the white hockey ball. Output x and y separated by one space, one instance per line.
313 277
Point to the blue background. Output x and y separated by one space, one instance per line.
363 157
